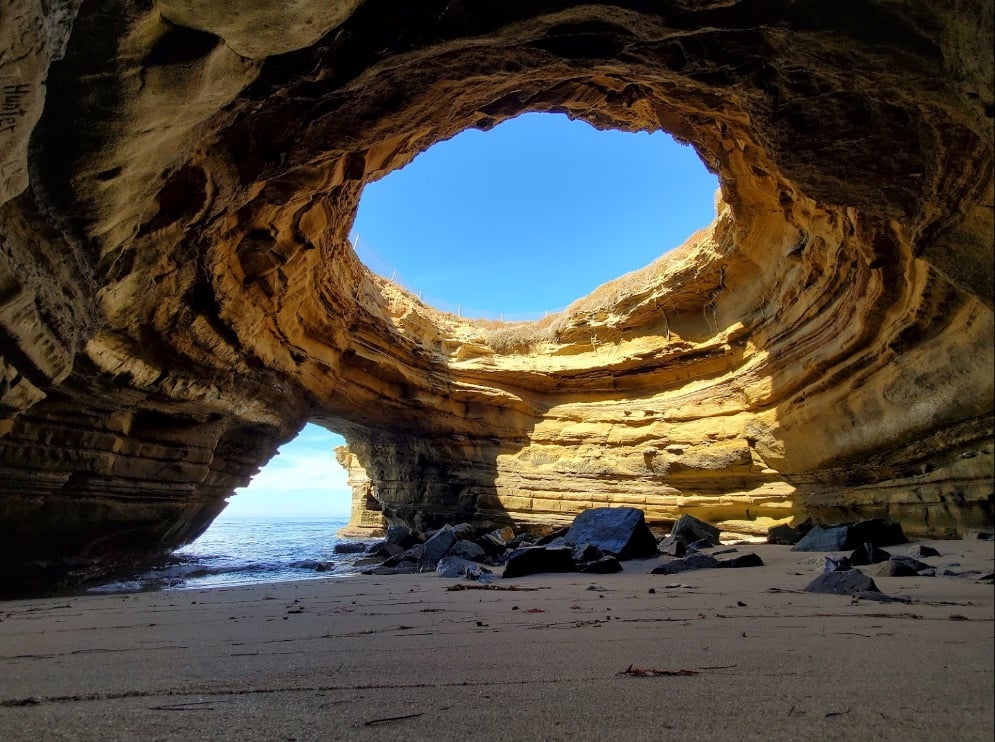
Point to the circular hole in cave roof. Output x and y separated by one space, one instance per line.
532 215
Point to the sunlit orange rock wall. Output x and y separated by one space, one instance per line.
178 296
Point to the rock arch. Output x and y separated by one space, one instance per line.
178 295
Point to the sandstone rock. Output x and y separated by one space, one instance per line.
178 295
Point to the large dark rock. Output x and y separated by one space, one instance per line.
436 547
621 532
402 536
532 560
877 531
849 582
823 538
868 554
899 566
689 530
784 535
468 550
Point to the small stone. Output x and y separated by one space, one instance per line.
922 551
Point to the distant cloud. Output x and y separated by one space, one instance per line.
303 479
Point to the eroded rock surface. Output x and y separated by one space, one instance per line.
178 295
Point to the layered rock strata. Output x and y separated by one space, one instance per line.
178 295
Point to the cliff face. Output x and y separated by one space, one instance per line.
178 296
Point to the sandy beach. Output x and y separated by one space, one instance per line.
727 654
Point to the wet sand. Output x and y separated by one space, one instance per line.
734 654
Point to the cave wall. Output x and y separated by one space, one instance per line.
178 295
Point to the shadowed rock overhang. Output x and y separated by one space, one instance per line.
178 294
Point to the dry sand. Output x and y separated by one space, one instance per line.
404 658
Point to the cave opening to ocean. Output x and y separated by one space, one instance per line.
519 221
303 480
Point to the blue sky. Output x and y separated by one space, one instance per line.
516 221
531 215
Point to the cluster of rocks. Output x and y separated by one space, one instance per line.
839 571
596 542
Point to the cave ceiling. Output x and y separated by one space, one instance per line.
178 295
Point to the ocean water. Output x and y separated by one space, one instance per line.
246 551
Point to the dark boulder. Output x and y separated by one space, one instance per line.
921 551
452 566
674 548
749 559
900 566
492 544
407 568
784 535
349 547
413 555
316 565
402 536
621 532
849 582
468 550
686 564
436 547
550 537
603 566
868 554
532 560
877 531
823 538
690 530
